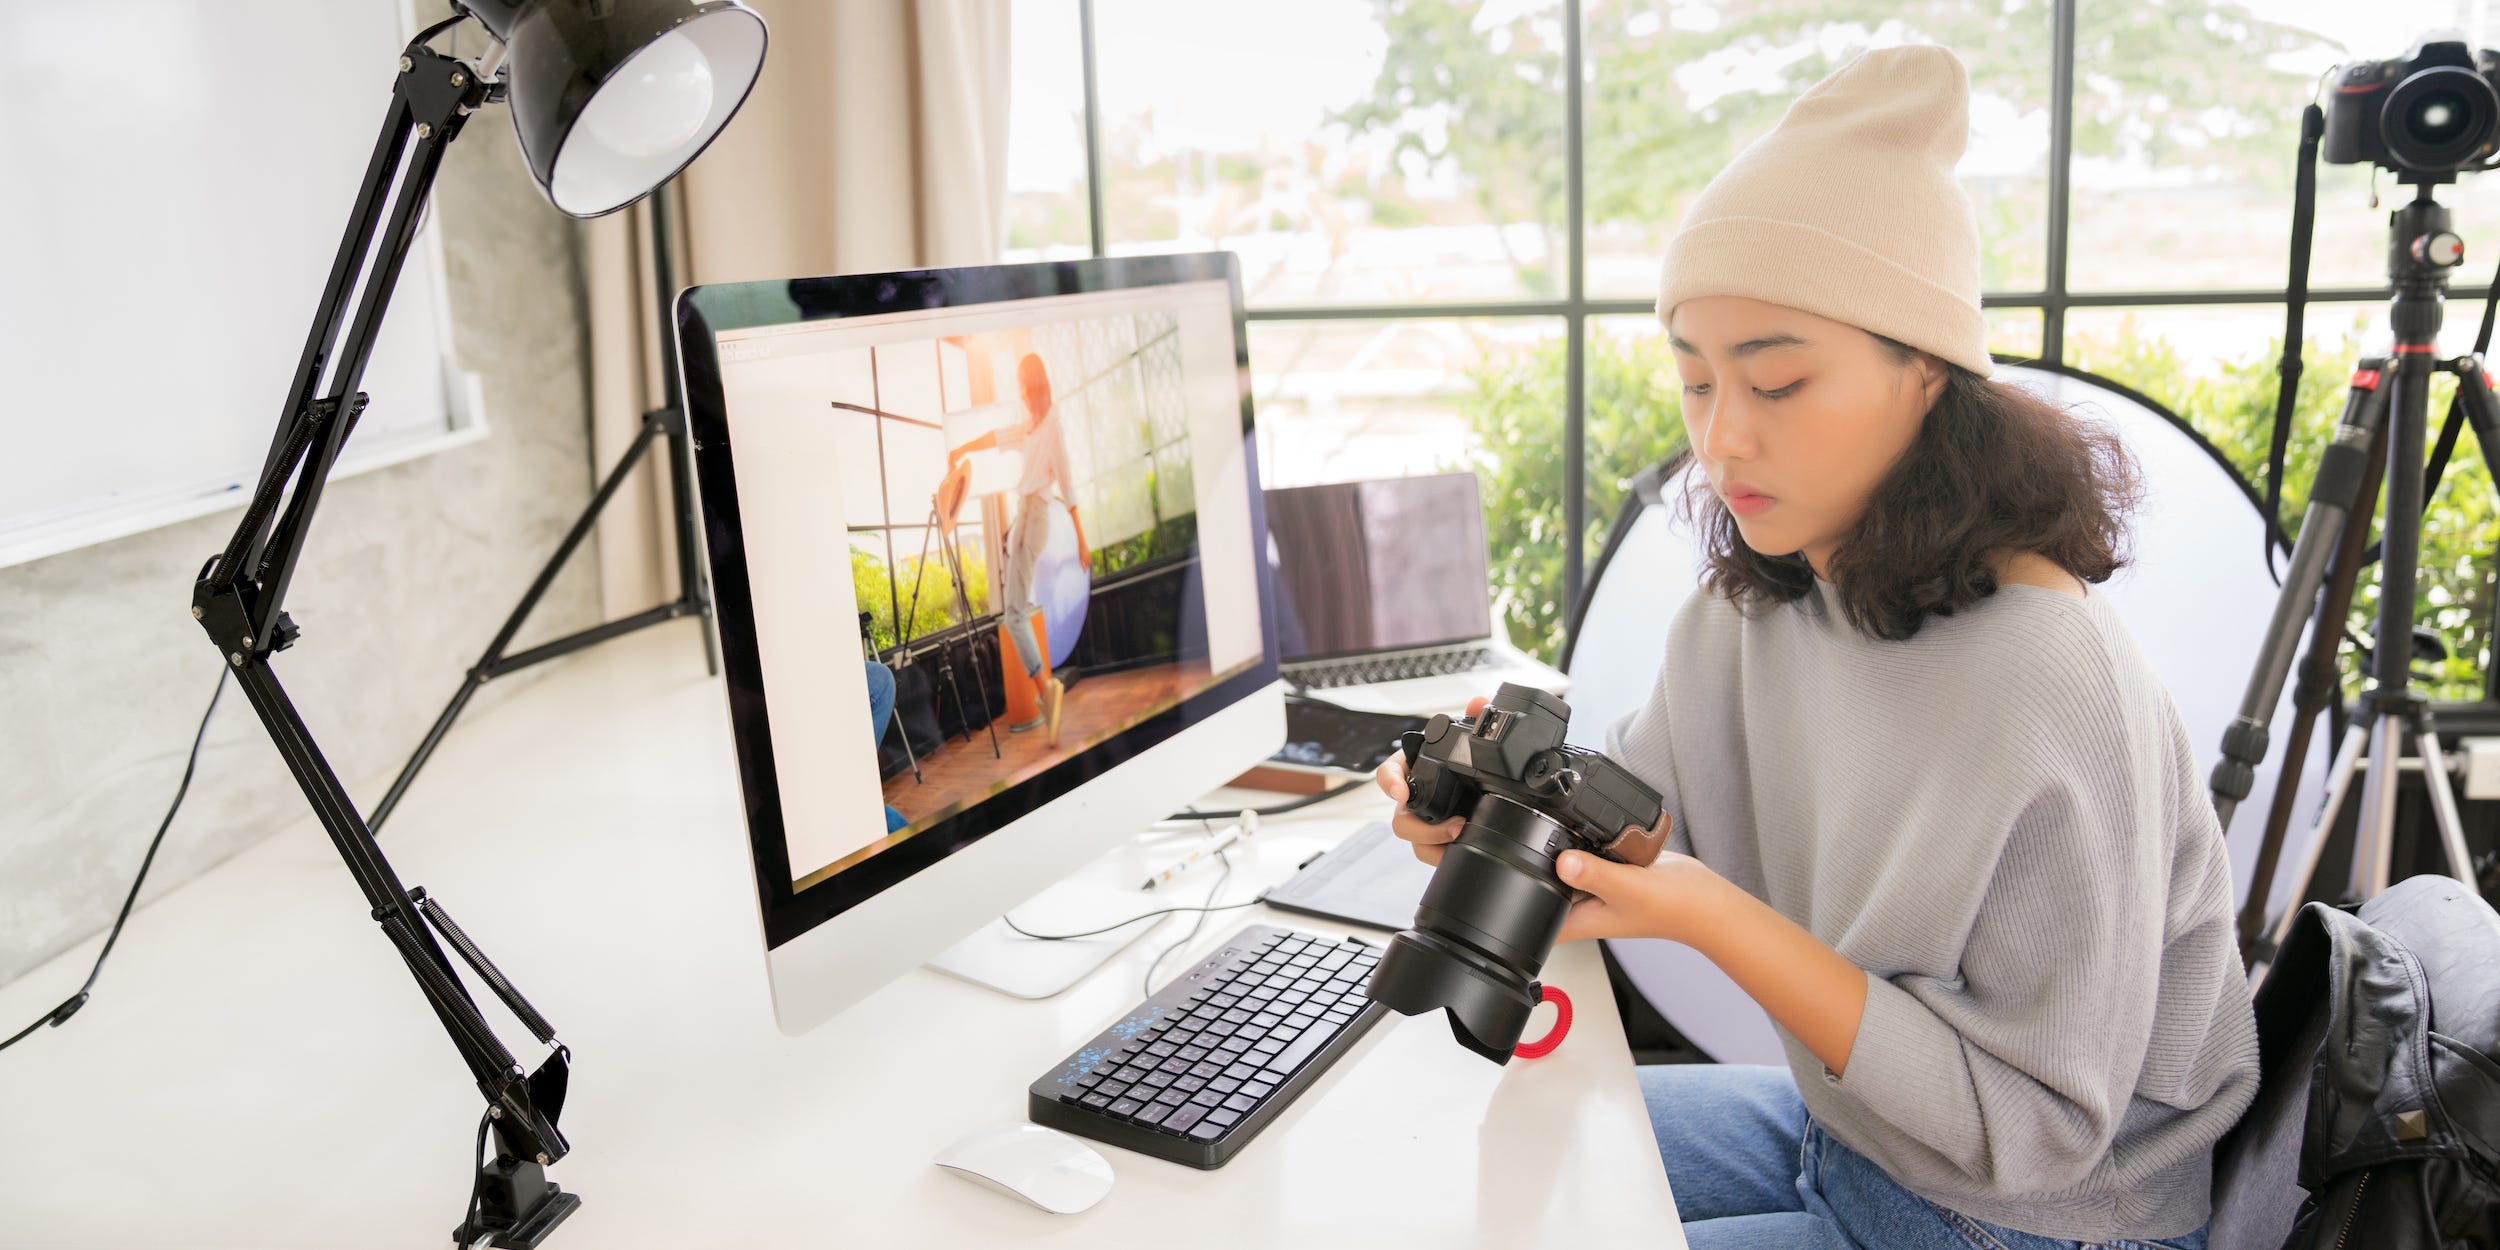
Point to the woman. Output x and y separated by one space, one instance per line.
1932 809
1045 469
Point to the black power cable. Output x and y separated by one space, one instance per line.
1202 910
69 1006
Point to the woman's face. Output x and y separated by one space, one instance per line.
1796 418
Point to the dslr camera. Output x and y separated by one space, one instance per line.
1491 912
2435 110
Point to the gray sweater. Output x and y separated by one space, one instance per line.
2003 822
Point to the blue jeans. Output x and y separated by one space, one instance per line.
880 707
1752 1170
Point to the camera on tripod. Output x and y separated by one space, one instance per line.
2434 110
1493 908
2428 115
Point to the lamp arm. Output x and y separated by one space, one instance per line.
239 595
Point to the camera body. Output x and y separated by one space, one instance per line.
2433 111
1495 904
1516 749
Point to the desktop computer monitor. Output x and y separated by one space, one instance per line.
889 465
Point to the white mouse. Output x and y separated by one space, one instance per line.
1042 1166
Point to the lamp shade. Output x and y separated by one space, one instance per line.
613 97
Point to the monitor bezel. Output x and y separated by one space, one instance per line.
701 312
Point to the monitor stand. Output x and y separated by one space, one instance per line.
1004 960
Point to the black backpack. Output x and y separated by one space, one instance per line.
2377 1117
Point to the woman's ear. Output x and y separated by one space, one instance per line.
1937 373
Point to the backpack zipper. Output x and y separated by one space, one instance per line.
2353 1212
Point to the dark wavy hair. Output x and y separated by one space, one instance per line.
1995 468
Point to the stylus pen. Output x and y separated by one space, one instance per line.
1249 825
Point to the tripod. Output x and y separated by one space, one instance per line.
942 509
694 597
2380 435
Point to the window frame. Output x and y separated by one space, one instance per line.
1574 308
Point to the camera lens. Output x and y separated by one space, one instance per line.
2441 118
1488 920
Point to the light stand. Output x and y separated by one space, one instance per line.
571 61
694 597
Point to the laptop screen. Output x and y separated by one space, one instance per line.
1379 565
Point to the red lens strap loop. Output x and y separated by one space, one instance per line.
1545 1045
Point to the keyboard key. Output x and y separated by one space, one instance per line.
1183 1119
1153 1114
1190 1084
1207 1132
1224 1116
1125 1107
1257 1089
1097 1100
1172 1096
1238 1102
1303 1048
1206 1098
1224 1084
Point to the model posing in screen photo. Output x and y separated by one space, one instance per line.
1045 470
1932 808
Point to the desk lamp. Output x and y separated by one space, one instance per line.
611 98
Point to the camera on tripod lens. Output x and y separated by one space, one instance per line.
1491 912
2434 110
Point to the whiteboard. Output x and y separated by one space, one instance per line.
175 177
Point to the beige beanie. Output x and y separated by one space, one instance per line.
1848 210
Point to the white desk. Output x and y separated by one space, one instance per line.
257 1068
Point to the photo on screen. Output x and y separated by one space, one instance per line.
1019 517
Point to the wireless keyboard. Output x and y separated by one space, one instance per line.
1194 1072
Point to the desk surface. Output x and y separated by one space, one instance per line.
257 1068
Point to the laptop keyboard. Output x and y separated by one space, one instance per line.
1368 669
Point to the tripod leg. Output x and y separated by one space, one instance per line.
2371 841
953 550
487 662
2339 786
2318 696
2444 808
2339 483
2394 706
2346 486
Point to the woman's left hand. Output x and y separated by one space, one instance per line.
1671 898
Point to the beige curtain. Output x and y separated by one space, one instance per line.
876 139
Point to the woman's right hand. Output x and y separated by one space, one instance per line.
1428 839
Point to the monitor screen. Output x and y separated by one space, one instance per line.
1380 565
928 498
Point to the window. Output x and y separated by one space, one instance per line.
1450 214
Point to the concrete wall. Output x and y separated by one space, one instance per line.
408 573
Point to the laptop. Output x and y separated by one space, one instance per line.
1385 596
